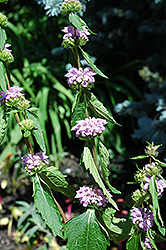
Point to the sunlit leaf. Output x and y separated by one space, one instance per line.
3 82
84 233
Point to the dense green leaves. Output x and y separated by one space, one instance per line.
104 157
84 233
98 107
45 204
3 82
56 180
134 242
90 165
37 132
78 109
118 228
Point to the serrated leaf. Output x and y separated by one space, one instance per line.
3 38
84 233
104 157
134 242
162 164
56 180
37 132
3 128
45 204
79 109
90 165
78 22
118 228
156 208
98 107
139 157
91 63
3 82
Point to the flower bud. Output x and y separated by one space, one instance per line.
140 175
151 150
137 194
6 55
23 104
27 124
68 43
70 6
3 20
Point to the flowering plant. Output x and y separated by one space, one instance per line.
98 225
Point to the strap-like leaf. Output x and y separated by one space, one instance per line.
3 82
3 127
84 233
90 165
91 63
37 132
104 156
45 204
98 107
56 180
156 208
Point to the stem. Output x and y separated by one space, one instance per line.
94 152
61 211
77 57
27 141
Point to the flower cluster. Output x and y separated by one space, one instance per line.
159 183
70 6
151 150
75 36
35 161
27 124
6 54
153 169
13 93
143 218
3 20
83 77
91 195
148 244
89 127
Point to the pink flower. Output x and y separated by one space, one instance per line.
160 184
142 218
91 195
35 161
89 127
12 93
81 76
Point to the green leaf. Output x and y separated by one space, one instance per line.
3 82
156 208
3 38
37 132
139 157
79 109
45 204
134 242
84 233
91 63
3 128
118 228
162 164
78 22
104 157
57 128
31 231
27 133
98 107
90 165
56 180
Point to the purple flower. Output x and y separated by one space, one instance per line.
89 127
81 76
6 46
35 161
142 218
91 195
73 33
159 183
12 93
148 244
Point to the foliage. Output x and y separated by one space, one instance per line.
144 226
